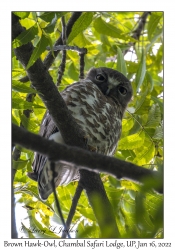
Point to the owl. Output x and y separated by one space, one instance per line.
97 103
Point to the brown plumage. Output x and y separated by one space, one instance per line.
97 103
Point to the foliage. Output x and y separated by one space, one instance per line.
107 36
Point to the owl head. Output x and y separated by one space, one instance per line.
112 84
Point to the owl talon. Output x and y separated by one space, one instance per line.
86 137
92 149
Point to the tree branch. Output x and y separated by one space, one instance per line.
14 232
82 52
76 197
141 24
52 165
137 32
50 58
63 61
84 159
71 132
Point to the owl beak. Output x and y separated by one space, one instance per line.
107 92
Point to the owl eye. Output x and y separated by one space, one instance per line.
100 78
122 90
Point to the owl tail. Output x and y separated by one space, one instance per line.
64 173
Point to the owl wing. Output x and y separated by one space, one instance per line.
65 172
47 128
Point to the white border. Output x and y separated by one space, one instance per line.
5 93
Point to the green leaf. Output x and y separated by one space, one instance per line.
140 100
29 124
34 15
149 80
81 40
140 75
47 35
129 185
19 164
22 87
145 154
15 117
25 37
158 133
81 24
132 141
107 29
40 48
50 27
72 71
113 181
152 24
49 16
121 65
154 39
86 231
19 103
27 232
144 105
101 63
21 14
42 231
158 101
31 190
141 215
127 124
87 212
154 116
20 177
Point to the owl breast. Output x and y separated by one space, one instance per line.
97 115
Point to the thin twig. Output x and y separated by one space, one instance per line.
82 52
141 24
138 31
82 64
49 58
66 47
73 208
63 60
52 167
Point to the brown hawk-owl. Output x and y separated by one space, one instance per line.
97 103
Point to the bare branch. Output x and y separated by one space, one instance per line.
49 58
67 47
141 24
73 208
137 32
82 64
63 61
83 158
52 165
82 53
